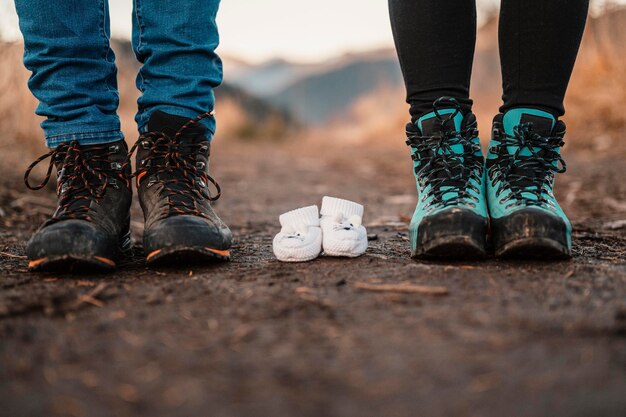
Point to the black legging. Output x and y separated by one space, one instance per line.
539 41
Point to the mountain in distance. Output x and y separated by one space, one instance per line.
327 95
234 66
268 77
316 93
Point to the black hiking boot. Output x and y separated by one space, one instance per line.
173 186
89 231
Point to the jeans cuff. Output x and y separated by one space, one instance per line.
87 138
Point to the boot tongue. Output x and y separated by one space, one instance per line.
78 191
430 125
171 124
542 122
194 133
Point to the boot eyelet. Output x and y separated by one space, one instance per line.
145 144
116 166
200 165
114 148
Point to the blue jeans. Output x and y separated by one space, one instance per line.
66 46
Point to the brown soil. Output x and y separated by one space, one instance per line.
259 338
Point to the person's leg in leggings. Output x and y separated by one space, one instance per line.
539 42
176 43
435 41
73 69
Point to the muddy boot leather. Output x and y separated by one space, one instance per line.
173 187
90 228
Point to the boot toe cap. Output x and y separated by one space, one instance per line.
452 233
532 233
78 238
187 231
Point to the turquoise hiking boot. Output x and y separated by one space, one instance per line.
450 220
524 157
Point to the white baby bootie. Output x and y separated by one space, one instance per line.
300 238
344 234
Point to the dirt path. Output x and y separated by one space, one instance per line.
260 338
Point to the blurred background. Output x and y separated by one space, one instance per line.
313 105
330 71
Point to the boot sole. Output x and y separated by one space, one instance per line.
76 263
534 248
453 234
451 247
531 234
187 255
71 264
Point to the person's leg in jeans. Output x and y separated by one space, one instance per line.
73 69
539 42
176 42
435 42
74 78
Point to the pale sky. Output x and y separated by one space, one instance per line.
256 30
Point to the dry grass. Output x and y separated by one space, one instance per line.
597 95
18 124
